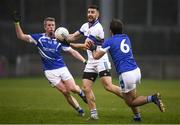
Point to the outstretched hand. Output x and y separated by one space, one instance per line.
16 16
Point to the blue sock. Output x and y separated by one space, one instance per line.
137 115
81 93
150 98
79 109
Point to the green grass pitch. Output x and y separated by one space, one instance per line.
34 101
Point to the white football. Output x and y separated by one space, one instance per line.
61 33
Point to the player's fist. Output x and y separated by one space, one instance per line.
93 47
90 45
16 16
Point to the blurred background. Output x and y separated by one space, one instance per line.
152 25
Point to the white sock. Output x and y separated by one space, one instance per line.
94 112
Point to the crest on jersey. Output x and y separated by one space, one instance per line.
98 38
89 32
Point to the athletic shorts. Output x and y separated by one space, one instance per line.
128 80
56 75
97 67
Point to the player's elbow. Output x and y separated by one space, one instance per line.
19 37
95 57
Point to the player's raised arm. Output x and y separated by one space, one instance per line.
20 34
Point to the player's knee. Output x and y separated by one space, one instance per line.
62 90
92 99
86 89
72 88
131 104
108 87
65 92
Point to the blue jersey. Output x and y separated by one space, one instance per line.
49 50
119 47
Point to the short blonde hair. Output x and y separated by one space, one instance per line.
48 19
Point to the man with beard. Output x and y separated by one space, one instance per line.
54 66
93 32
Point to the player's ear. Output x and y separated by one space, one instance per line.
97 14
111 33
44 26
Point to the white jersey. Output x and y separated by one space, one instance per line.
95 33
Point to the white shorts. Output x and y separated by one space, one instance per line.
56 75
97 67
128 80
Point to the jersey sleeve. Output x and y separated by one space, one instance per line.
33 38
82 29
66 48
105 46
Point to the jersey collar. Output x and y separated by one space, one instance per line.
49 37
119 35
93 23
